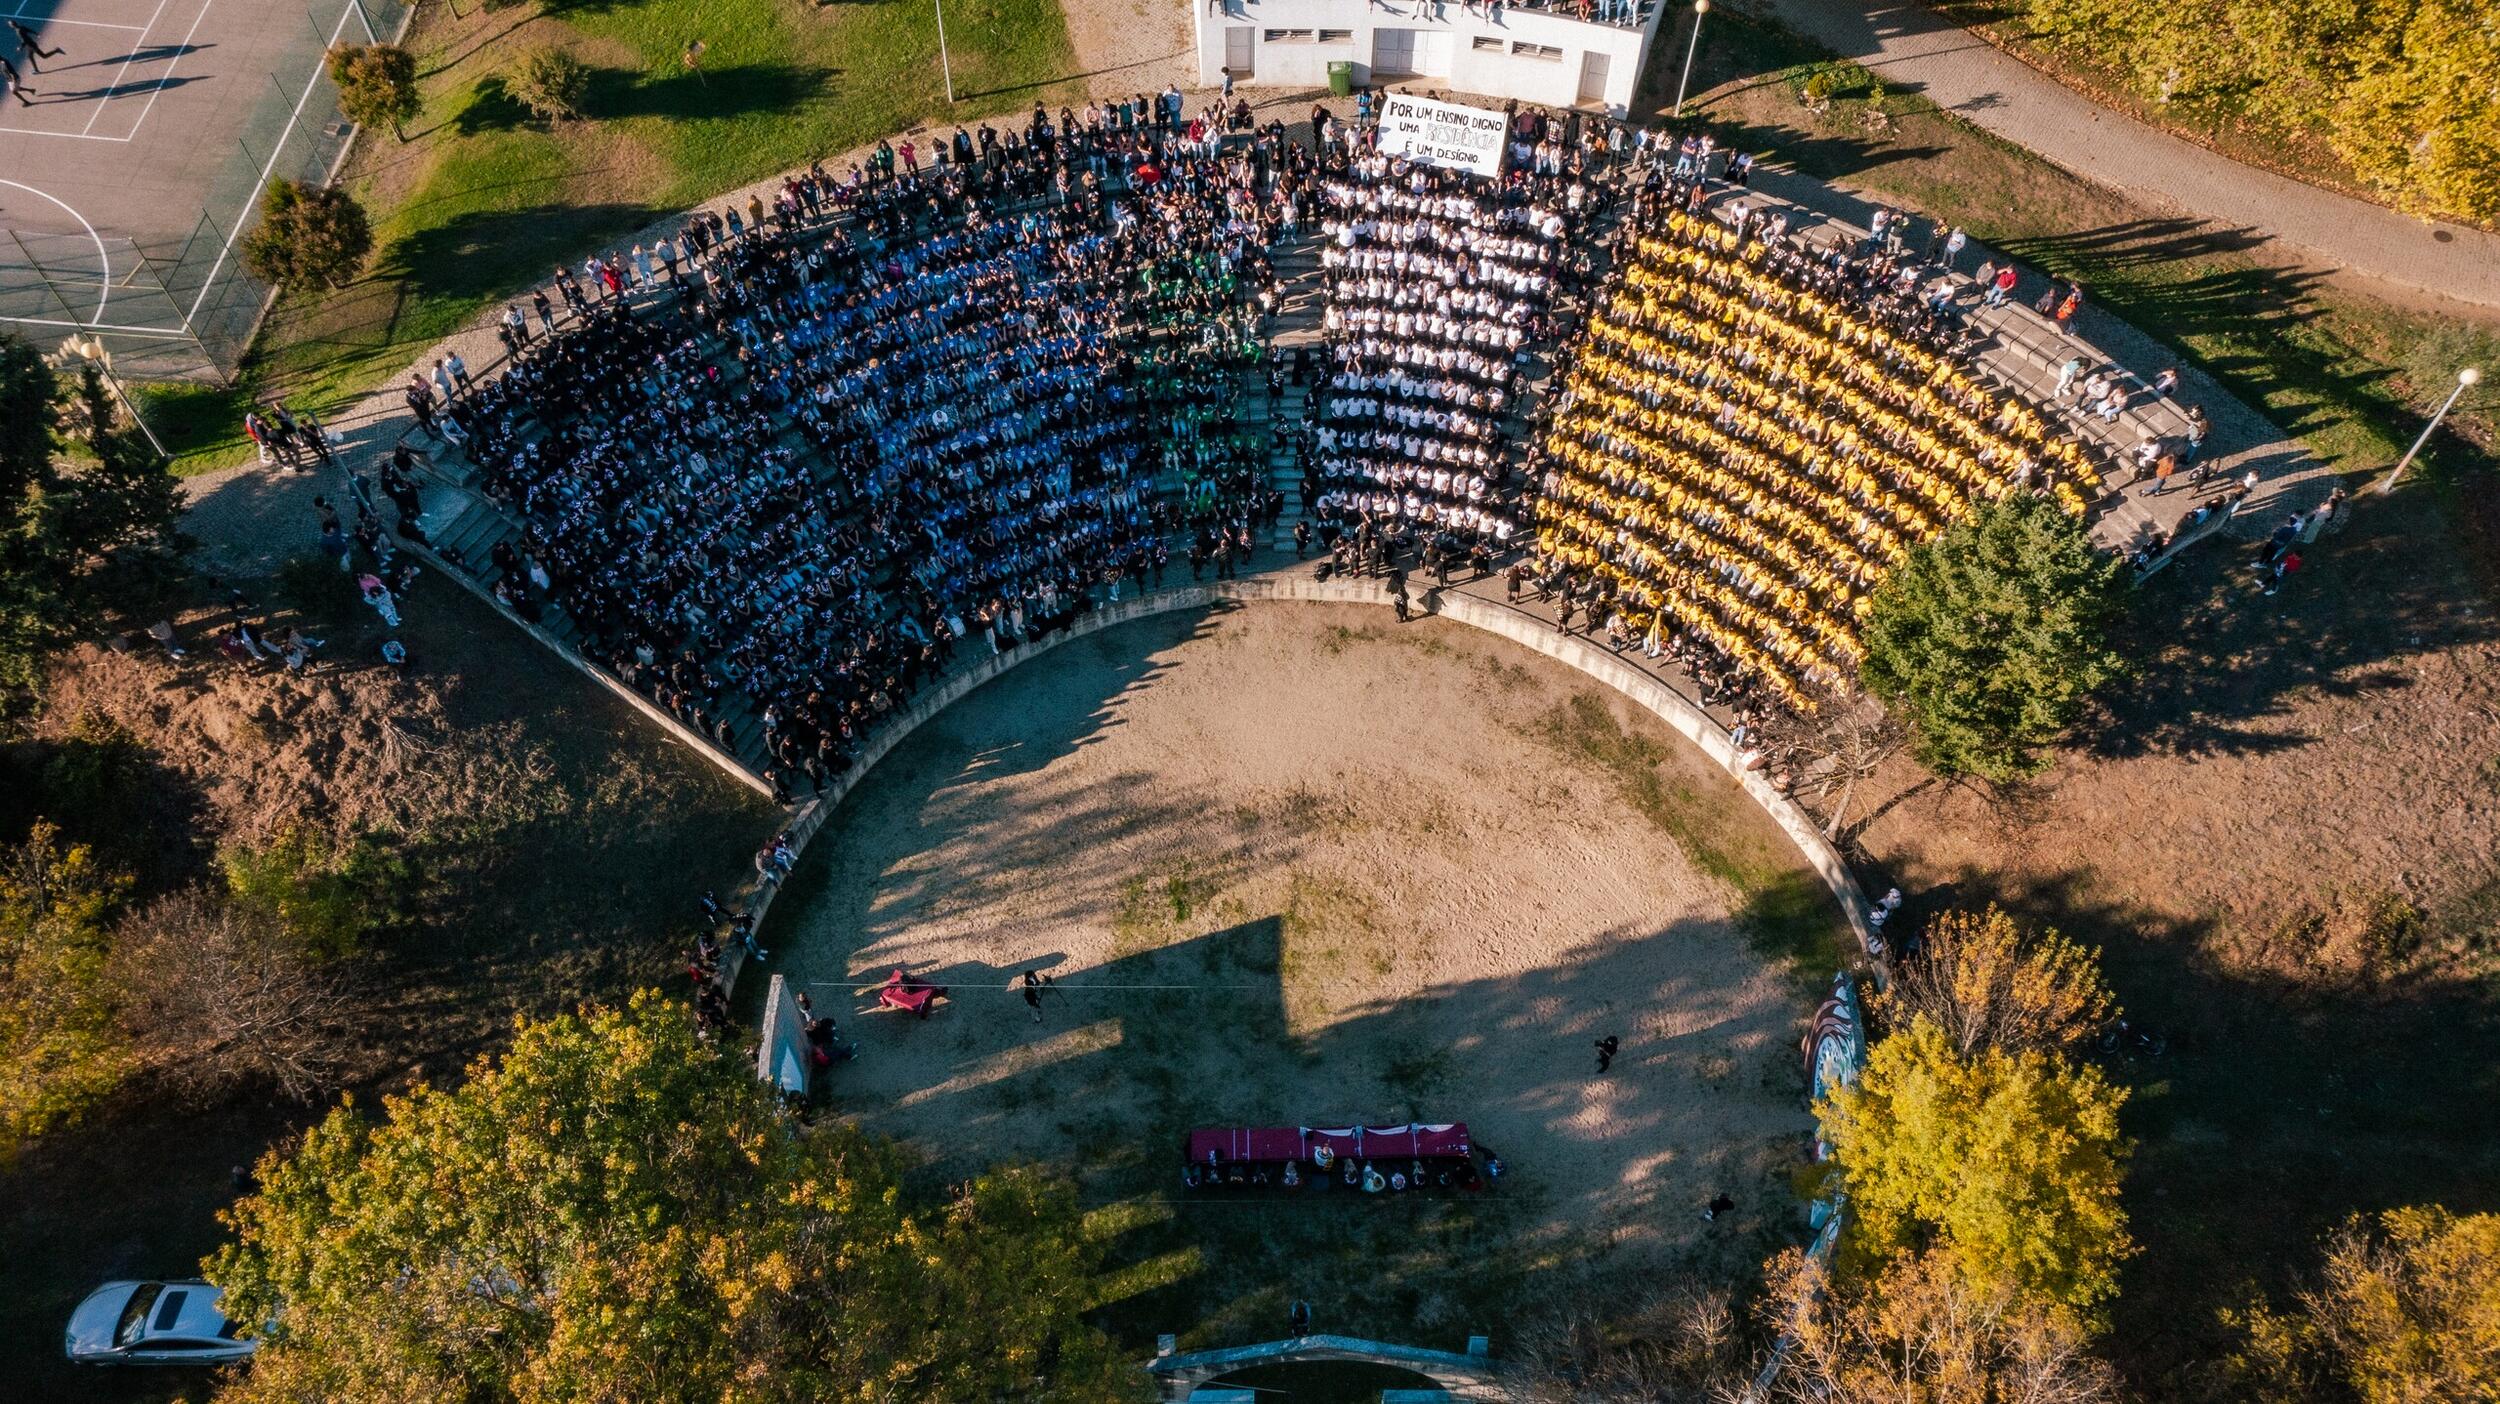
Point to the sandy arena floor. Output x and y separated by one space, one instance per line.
1296 864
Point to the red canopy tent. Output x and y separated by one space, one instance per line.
1274 1145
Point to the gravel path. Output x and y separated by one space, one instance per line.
1916 50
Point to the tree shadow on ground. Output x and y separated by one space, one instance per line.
2217 658
474 256
713 93
491 108
2290 1097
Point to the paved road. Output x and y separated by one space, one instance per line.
1914 49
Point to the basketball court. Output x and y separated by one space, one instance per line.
127 176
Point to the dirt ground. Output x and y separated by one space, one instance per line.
1295 864
1125 47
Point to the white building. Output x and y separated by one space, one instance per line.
1545 56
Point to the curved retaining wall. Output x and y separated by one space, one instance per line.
1521 628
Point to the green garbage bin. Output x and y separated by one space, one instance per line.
1341 77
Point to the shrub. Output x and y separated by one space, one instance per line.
307 234
377 85
551 83
328 900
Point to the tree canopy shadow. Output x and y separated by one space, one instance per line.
2215 658
477 255
713 93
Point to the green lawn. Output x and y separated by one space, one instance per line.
483 199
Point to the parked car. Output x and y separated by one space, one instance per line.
154 1323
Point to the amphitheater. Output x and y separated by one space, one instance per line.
1289 856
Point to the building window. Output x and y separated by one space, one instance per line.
1486 44
1543 53
1288 36
1336 36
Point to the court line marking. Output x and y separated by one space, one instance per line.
119 73
83 24
209 283
73 136
167 76
168 333
103 261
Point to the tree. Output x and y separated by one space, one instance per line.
77 543
1835 747
1986 983
2421 121
551 83
322 898
1921 1330
2007 1162
307 234
377 85
221 999
1684 1343
59 1052
618 1210
2406 1311
1992 636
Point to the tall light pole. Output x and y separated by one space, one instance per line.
2466 380
943 65
1700 8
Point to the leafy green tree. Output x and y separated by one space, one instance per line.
2007 1162
2406 1311
327 899
78 542
377 85
618 1210
307 234
59 1051
1992 637
551 83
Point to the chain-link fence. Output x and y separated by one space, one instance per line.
181 306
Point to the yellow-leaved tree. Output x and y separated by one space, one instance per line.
2006 1162
1985 982
2421 119
2405 1311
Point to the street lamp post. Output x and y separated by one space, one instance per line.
91 350
944 65
2466 380
1700 8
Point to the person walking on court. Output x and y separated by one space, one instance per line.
15 84
32 47
1607 1047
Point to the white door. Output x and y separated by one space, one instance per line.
1393 51
1237 51
1593 76
1432 53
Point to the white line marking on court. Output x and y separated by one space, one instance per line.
83 24
73 136
103 261
167 76
169 333
136 45
272 164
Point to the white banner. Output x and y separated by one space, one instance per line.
1443 134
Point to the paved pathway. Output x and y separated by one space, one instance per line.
1916 50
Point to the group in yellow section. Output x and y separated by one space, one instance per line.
1745 444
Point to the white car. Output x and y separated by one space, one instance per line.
154 1323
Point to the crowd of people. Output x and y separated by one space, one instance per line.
1752 432
1438 284
907 410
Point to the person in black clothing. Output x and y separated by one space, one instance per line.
1606 1050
